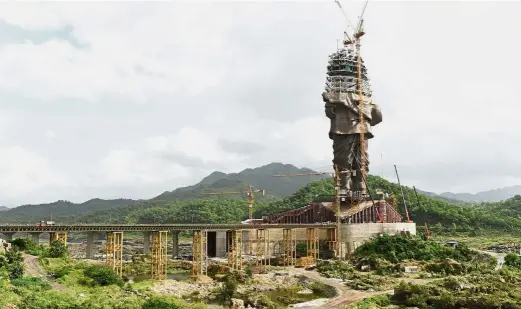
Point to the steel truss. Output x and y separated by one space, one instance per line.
263 247
289 246
114 252
159 254
59 236
235 254
312 237
199 253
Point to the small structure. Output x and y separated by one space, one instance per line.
4 246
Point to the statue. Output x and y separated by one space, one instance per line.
342 109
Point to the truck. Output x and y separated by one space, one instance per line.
45 223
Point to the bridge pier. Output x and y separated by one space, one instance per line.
159 255
35 237
89 249
235 254
146 242
175 244
59 236
263 247
199 253
114 252
8 236
289 246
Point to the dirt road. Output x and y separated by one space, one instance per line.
34 269
345 295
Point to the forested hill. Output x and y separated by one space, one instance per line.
261 177
440 215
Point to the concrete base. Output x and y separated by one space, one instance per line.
353 235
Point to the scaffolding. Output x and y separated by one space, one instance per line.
114 252
331 239
59 236
235 254
312 237
199 253
159 254
289 239
263 247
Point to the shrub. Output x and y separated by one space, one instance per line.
101 275
512 260
23 244
31 283
57 249
161 303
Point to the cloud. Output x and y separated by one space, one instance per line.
148 97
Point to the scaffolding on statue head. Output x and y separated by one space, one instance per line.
159 255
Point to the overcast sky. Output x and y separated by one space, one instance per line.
130 100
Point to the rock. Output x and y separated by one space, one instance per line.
81 295
411 269
237 303
305 291
365 268
282 273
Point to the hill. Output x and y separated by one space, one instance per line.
260 177
3 208
35 213
485 196
440 215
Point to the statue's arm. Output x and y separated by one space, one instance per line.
330 110
376 115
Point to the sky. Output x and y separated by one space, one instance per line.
132 99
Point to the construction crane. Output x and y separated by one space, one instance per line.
251 198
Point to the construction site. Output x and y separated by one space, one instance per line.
339 223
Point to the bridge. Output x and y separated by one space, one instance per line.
152 227
208 240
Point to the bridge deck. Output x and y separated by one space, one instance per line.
153 227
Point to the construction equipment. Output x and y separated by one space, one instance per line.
251 198
403 196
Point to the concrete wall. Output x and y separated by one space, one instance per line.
353 235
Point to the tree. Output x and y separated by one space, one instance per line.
57 249
228 288
16 270
101 274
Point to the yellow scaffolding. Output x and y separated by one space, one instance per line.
114 252
59 236
331 239
199 253
235 254
312 238
289 239
263 247
159 254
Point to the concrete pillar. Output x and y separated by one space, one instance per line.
89 250
220 244
175 244
36 238
8 236
146 242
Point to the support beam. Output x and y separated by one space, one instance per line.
332 240
35 238
114 252
89 249
59 236
312 237
235 254
263 248
199 253
175 244
146 242
159 255
289 247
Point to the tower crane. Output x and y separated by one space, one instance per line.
251 198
